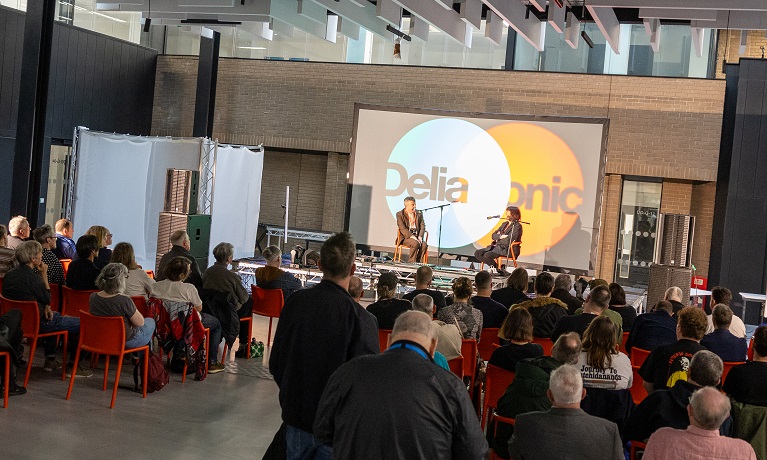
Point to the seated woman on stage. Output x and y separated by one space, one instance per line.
111 301
505 236
138 282
601 364
517 328
467 318
105 239
272 277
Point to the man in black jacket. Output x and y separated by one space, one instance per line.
320 328
181 247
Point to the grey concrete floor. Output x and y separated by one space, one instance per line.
232 415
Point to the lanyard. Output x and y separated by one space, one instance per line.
410 346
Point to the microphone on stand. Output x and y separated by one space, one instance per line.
493 217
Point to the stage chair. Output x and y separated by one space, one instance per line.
74 301
488 338
398 248
546 343
500 259
496 382
105 335
6 356
383 338
30 328
456 366
267 302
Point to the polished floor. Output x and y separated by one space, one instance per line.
230 415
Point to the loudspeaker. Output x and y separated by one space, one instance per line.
663 277
673 246
196 225
181 190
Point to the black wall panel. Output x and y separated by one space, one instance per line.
96 81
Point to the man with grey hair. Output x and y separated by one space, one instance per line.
707 410
425 304
181 246
723 342
396 420
668 408
565 427
19 231
562 286
674 295
449 338
355 288
411 229
273 277
29 281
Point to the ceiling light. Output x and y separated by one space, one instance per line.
252 47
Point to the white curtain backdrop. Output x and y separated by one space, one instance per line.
120 184
236 199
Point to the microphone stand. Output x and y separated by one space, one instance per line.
439 232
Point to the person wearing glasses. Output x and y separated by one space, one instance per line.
47 238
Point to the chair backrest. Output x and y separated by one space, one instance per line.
546 343
638 356
749 353
30 314
150 273
496 382
728 365
141 305
55 297
487 339
383 338
267 302
456 366
622 347
65 265
469 353
102 334
75 300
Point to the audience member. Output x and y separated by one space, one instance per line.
104 237
22 283
82 272
493 313
181 246
423 279
527 392
515 289
7 255
399 420
708 409
272 277
674 296
388 307
179 295
425 304
111 301
722 341
545 309
724 296
356 289
19 230
669 363
449 338
746 383
653 329
562 286
618 305
517 329
11 341
320 328
461 313
668 408
236 303
44 235
138 282
597 301
65 245
565 427
600 362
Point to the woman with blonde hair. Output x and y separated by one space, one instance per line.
600 362
138 282
105 239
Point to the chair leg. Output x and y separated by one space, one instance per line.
250 336
207 350
32 347
146 369
6 378
106 370
269 337
64 355
72 376
117 379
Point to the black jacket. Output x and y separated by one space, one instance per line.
573 303
194 278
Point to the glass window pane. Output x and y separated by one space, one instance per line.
636 237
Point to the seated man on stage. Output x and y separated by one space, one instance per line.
411 229
508 233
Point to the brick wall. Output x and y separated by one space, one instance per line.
675 197
729 47
611 202
659 127
702 207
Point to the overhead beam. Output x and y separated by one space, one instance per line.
698 35
389 11
514 13
311 10
471 13
364 16
446 20
652 27
539 5
738 20
666 13
608 23
572 31
494 27
556 17
419 28
753 5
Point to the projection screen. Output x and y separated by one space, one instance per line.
552 168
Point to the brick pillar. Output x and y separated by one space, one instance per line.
608 236
702 207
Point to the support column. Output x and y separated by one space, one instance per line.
207 76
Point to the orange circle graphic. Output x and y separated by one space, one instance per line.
546 183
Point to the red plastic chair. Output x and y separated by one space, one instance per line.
469 353
75 300
150 273
55 297
622 347
749 353
546 343
487 339
496 382
456 366
30 327
105 335
728 365
383 339
269 303
638 356
636 446
248 320
141 305
6 375
65 265
494 417
207 356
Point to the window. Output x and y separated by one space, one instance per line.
638 222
